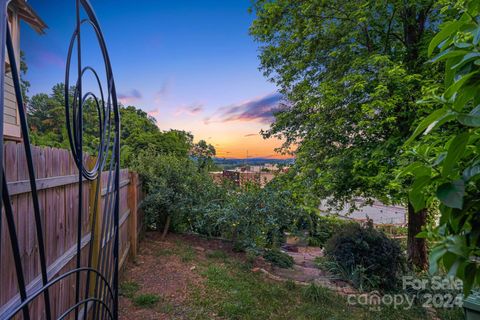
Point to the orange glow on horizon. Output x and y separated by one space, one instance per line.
232 139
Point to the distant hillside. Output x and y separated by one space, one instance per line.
235 162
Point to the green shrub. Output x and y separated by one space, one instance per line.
278 258
146 300
354 274
372 260
173 199
324 228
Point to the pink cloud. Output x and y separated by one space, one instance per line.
260 109
189 110
130 97
154 112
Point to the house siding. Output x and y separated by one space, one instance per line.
10 111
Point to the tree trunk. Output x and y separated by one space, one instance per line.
416 247
166 227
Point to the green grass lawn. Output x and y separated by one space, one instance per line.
230 290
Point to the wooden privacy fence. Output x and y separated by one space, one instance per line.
56 174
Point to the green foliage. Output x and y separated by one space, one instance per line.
258 217
203 153
146 300
317 294
350 72
46 118
448 155
325 227
278 258
252 217
172 186
371 258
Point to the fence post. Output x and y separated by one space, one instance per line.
133 206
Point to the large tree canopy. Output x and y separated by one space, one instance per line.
46 117
351 73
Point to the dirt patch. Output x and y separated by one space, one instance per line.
159 271
168 269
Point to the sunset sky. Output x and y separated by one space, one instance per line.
190 64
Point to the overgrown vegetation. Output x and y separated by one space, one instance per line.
252 217
278 258
324 227
367 257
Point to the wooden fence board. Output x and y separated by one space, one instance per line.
56 177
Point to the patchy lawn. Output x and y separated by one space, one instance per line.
187 277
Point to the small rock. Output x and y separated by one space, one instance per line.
348 290
255 269
193 268
199 249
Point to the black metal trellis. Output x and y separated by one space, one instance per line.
99 299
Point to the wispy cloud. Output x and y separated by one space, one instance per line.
47 58
130 97
260 109
163 92
251 135
189 110
154 112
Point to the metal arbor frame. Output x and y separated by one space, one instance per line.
99 299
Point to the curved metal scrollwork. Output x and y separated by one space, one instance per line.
96 291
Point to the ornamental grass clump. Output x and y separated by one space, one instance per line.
367 257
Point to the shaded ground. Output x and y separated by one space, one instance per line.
187 277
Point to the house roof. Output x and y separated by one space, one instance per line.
26 13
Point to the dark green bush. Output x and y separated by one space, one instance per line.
178 190
373 260
278 258
324 227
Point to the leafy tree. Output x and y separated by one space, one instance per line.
139 131
204 153
172 186
24 84
447 169
351 72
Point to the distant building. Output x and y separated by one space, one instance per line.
242 177
217 176
255 168
271 166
